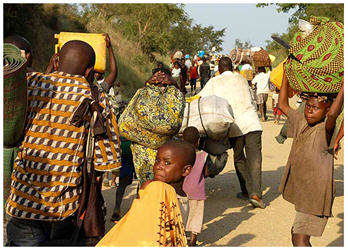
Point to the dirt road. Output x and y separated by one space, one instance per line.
229 221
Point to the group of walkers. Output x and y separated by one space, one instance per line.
74 134
187 71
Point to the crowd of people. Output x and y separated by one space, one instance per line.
76 138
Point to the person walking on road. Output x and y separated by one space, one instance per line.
204 72
245 133
262 89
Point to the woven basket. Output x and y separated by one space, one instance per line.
261 59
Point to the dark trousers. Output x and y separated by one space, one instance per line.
30 233
123 183
248 166
204 80
193 84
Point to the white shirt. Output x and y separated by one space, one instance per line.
275 97
176 72
246 67
188 64
216 68
211 65
235 89
262 83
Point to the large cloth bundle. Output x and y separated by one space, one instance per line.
215 147
241 56
143 160
261 59
318 62
216 163
154 220
153 115
178 55
15 95
211 115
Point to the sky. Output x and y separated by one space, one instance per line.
243 21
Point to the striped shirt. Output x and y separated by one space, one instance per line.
46 180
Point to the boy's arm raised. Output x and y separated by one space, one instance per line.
52 65
110 79
283 101
339 136
333 113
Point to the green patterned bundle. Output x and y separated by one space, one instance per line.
14 96
318 65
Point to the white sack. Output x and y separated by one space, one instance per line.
216 113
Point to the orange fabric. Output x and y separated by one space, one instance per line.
154 220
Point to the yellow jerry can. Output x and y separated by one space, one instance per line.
276 77
96 40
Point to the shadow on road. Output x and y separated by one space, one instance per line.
339 177
339 242
221 192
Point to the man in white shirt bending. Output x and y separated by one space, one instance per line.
262 89
245 133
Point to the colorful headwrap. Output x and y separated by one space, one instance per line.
318 63
320 96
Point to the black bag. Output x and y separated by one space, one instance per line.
90 218
216 163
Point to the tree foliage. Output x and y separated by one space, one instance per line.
139 33
157 27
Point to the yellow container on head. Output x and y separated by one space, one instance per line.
276 77
96 40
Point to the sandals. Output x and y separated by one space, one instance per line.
115 217
257 202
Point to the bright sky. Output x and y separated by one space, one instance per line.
243 21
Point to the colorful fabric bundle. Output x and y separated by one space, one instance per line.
154 220
317 65
143 160
153 115
15 95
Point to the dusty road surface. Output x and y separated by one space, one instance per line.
229 221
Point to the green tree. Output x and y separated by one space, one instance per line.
157 28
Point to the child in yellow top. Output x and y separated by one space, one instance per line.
154 218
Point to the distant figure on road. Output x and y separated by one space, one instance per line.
204 72
262 89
